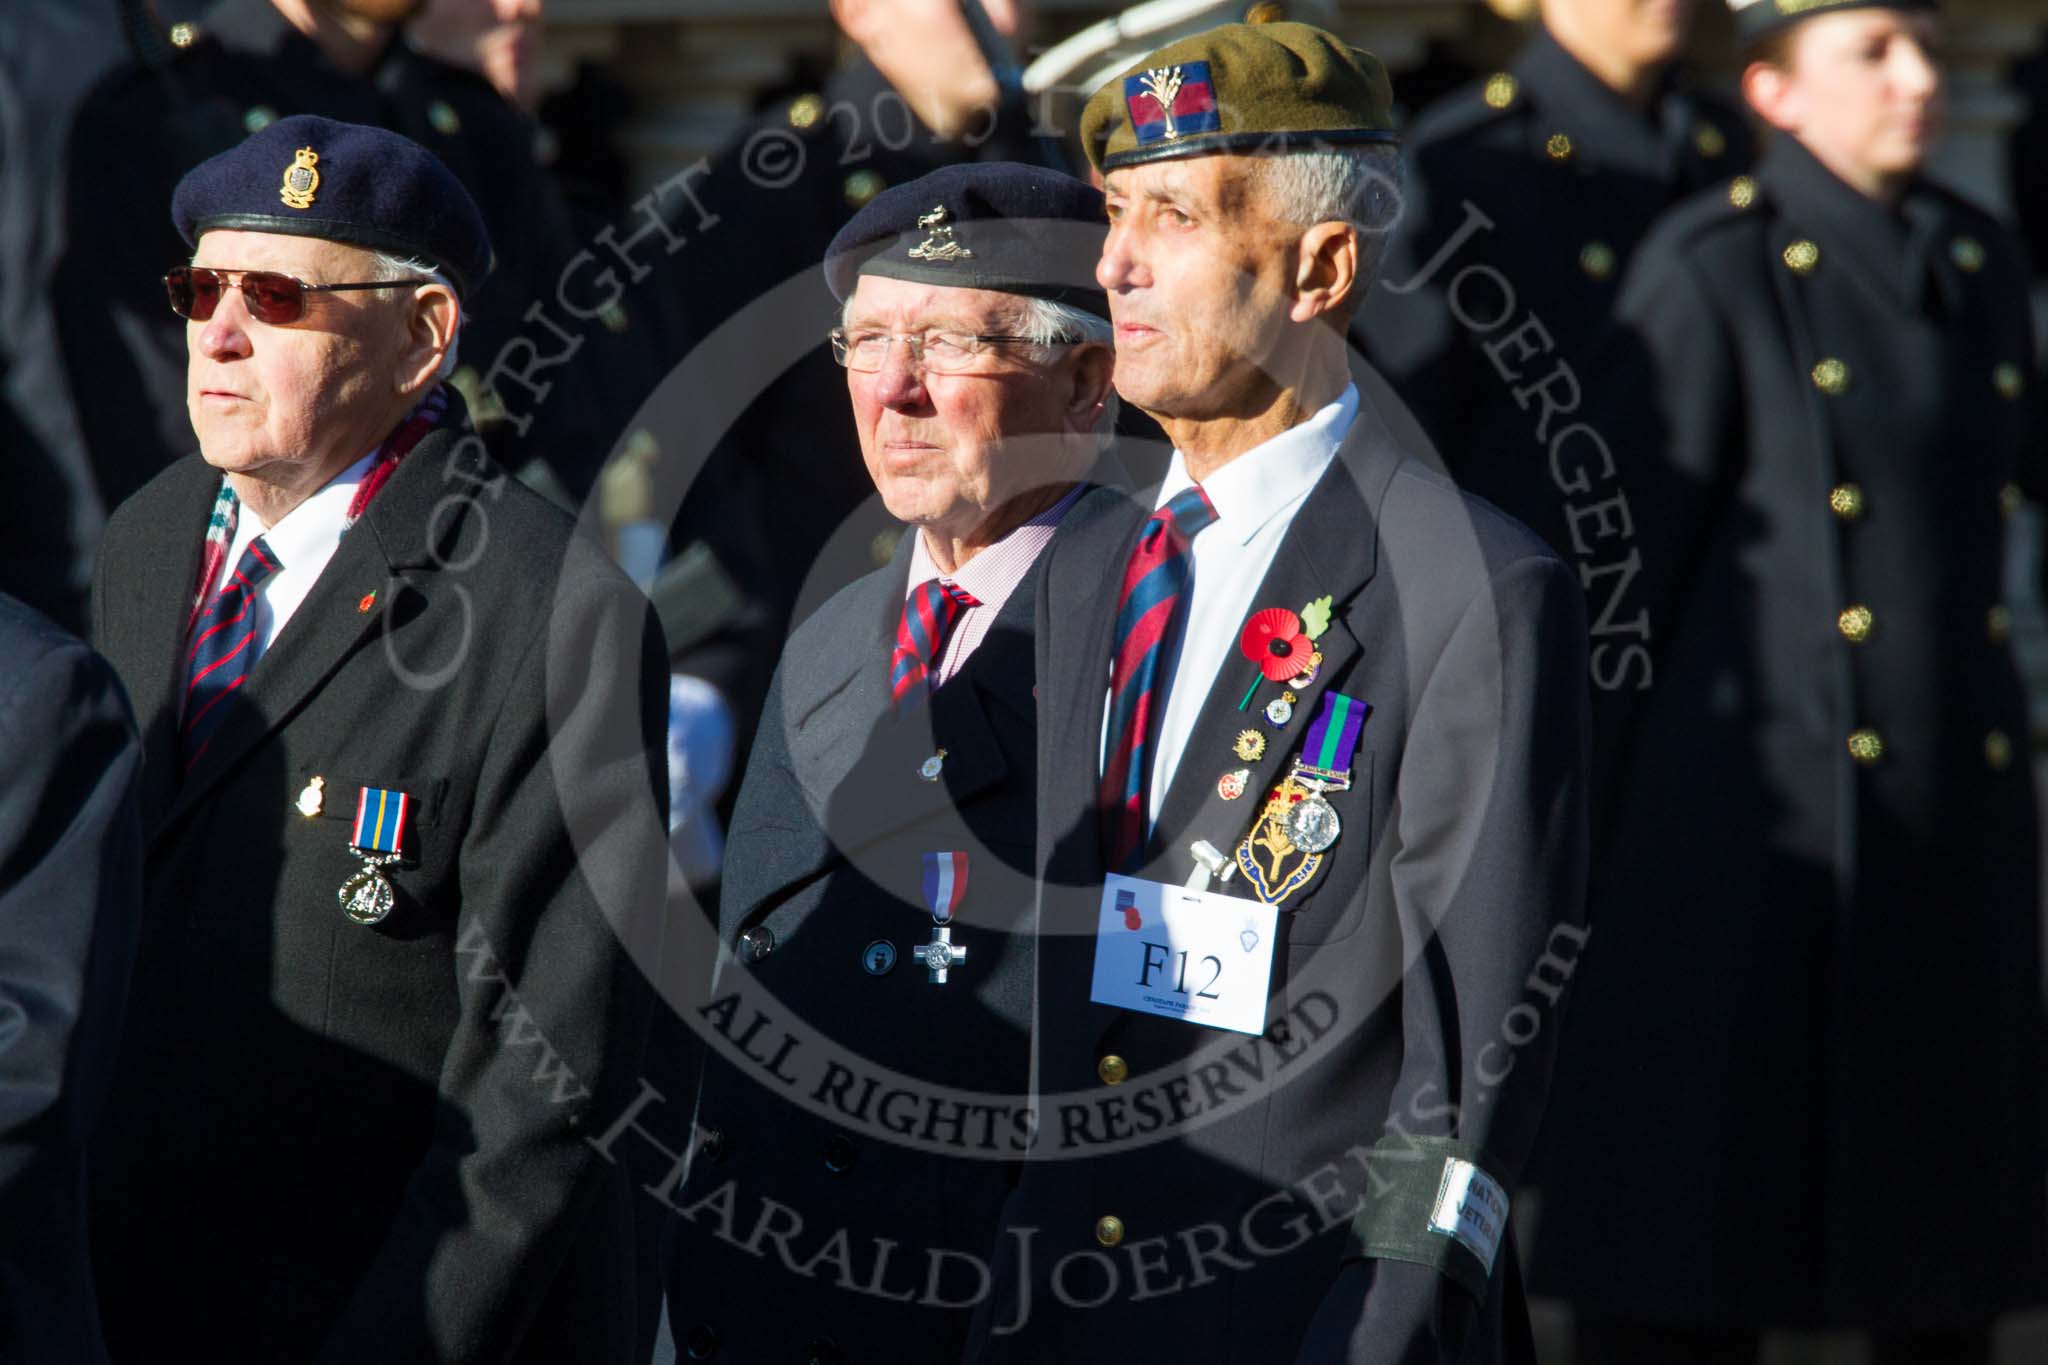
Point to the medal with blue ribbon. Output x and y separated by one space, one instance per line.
1298 824
379 840
945 884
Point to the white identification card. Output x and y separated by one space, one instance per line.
1183 954
1472 1207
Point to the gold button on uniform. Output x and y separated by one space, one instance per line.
1113 1069
184 35
258 118
1846 501
1967 253
1831 377
1710 140
1500 90
862 186
1998 624
2010 498
1109 1230
444 118
1866 746
806 110
1998 751
2007 379
1855 623
1559 146
1801 257
1742 191
1597 259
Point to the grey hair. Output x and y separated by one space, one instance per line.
1356 185
1048 323
387 265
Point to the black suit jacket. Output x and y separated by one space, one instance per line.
1234 1165
897 1115
70 898
340 1142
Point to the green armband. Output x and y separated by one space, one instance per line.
1430 1201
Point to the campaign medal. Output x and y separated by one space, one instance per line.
945 885
1324 765
379 840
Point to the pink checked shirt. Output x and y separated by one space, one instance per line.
990 576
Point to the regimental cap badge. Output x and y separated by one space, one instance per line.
300 180
1166 102
939 243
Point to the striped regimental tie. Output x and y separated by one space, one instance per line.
928 616
225 645
1155 581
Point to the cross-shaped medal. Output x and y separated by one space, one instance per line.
940 953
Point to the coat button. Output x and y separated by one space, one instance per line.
1742 191
839 1155
1500 90
1998 751
184 34
1967 253
1598 260
1113 1069
2007 379
1998 624
1109 1230
701 1344
1710 141
1855 623
711 1144
806 110
1866 746
1559 146
1846 501
1831 377
862 186
1801 257
757 943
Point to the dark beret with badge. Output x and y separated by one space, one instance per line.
1240 88
1756 19
997 225
343 182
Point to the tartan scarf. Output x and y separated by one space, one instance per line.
227 508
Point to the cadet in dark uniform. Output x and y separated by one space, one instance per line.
1526 195
203 86
888 805
1803 1078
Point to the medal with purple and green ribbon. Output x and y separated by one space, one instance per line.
1324 764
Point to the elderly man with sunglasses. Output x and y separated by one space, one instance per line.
877 893
403 821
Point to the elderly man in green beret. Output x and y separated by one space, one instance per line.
1312 821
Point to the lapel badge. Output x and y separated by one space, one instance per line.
1250 745
300 180
930 769
368 600
1274 865
1231 785
1307 676
313 797
1280 710
1165 102
939 244
1315 617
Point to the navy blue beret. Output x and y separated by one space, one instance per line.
344 182
985 225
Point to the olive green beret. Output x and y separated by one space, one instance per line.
1755 19
1239 88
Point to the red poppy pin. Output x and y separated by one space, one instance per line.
369 600
1273 640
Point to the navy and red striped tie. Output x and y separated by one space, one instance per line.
225 644
928 616
1155 581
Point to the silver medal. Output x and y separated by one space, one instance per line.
367 897
1312 824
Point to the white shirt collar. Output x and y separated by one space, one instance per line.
1272 476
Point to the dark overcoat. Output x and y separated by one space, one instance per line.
1812 1002
896 1120
331 1141
70 903
1526 194
1202 1196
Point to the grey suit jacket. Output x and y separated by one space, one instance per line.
1214 1197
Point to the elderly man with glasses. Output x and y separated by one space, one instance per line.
403 819
868 1029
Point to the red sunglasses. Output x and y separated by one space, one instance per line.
273 298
